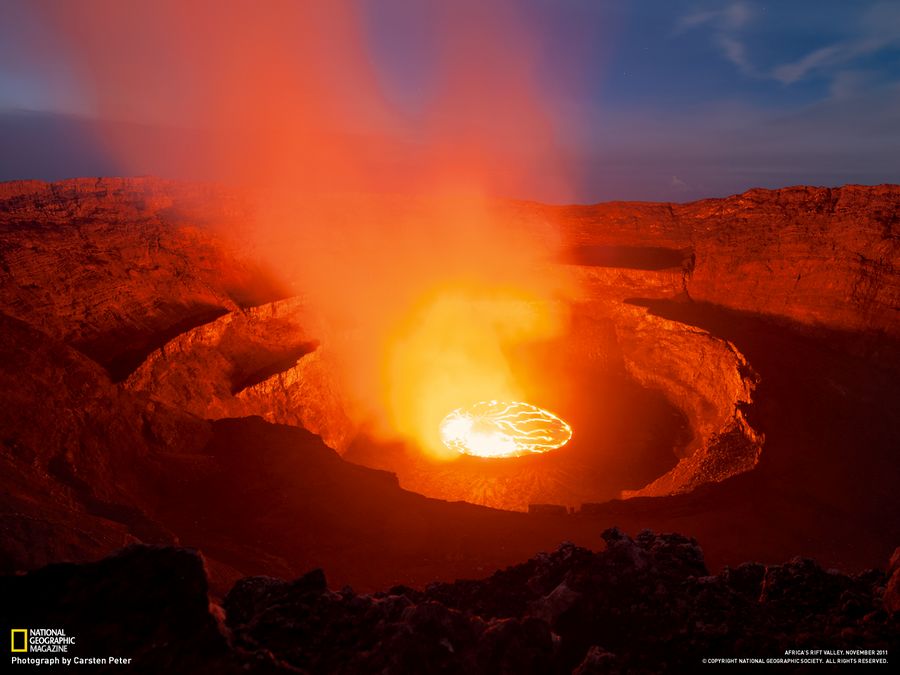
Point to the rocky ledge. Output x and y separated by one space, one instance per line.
646 604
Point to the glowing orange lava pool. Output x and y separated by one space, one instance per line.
503 429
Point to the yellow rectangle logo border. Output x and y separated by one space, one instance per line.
12 640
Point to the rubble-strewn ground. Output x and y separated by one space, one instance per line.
642 605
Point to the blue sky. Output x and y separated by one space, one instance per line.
649 99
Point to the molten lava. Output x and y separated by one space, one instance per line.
503 429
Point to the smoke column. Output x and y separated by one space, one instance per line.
385 221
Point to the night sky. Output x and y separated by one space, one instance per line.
655 100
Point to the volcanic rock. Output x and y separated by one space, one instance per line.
892 590
818 256
145 604
117 266
706 377
79 456
597 661
641 605
266 361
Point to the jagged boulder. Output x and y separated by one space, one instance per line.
892 590
642 604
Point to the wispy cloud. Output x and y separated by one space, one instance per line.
788 73
731 17
725 24
735 51
877 29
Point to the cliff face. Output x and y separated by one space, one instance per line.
265 361
80 457
115 267
706 377
818 256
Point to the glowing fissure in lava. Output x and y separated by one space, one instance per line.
503 429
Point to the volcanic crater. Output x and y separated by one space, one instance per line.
708 352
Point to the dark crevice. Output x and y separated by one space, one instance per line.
282 362
650 258
120 362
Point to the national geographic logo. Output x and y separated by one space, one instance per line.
52 647
43 640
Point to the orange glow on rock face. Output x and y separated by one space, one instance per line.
503 429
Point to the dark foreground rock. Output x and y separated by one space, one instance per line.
645 604
147 604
